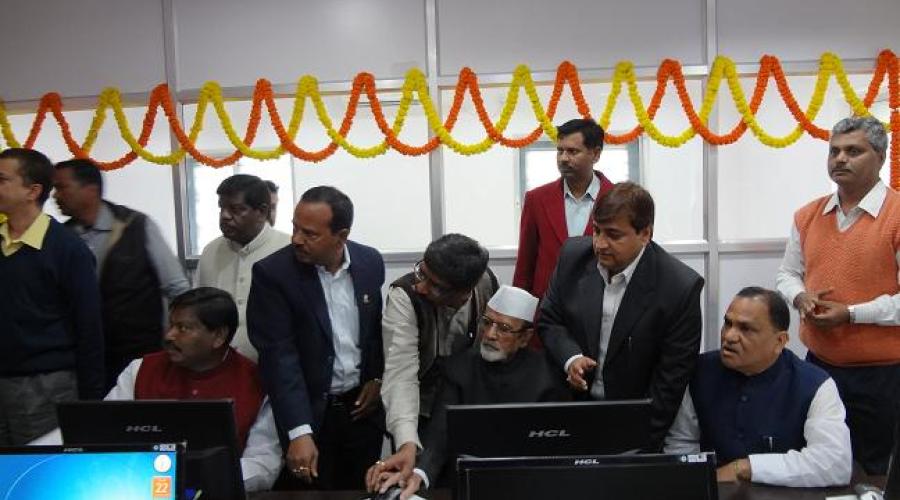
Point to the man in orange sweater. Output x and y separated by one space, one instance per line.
840 270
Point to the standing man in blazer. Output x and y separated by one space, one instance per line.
621 316
561 209
314 315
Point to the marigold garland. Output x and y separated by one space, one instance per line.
415 87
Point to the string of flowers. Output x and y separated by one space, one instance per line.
415 89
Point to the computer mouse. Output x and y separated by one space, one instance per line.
392 493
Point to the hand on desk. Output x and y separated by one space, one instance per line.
396 469
302 458
734 471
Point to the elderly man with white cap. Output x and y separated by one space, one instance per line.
499 369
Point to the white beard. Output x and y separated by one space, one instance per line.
492 354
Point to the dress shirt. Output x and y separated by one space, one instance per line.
883 310
344 315
578 211
825 461
613 292
261 460
400 389
172 280
33 236
227 265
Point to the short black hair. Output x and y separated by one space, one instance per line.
213 307
628 198
779 314
271 186
457 259
34 168
591 132
340 204
256 194
84 171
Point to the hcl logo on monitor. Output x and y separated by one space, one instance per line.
143 428
548 433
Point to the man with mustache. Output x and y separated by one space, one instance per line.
769 416
621 317
840 270
501 369
136 268
227 261
314 315
561 209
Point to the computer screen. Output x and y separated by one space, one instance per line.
672 477
212 459
548 429
135 472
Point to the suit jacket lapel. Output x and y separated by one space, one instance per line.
555 209
590 301
638 296
311 288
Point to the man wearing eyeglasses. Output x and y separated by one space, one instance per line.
430 314
500 369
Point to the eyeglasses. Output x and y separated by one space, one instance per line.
437 288
502 328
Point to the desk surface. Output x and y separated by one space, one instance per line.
727 491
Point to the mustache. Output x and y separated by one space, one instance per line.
168 344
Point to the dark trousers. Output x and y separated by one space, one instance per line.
28 405
347 448
871 395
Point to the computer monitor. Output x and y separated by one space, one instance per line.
673 477
135 472
212 459
548 429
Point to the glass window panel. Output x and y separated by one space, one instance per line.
141 185
761 187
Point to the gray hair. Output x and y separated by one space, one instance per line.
874 129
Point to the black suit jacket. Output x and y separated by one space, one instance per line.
288 323
655 338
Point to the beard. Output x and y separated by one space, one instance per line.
491 354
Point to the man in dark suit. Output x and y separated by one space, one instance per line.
618 300
314 315
560 209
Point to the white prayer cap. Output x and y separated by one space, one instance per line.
514 302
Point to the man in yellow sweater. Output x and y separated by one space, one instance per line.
840 271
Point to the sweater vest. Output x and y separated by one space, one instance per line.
426 320
765 413
236 378
860 264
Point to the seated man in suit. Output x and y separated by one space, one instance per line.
197 362
621 316
431 313
501 369
314 315
769 416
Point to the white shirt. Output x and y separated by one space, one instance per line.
261 460
883 310
225 264
613 292
344 315
825 461
578 211
400 389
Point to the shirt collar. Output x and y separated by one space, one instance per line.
255 244
592 189
871 202
344 267
627 273
33 236
104 220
